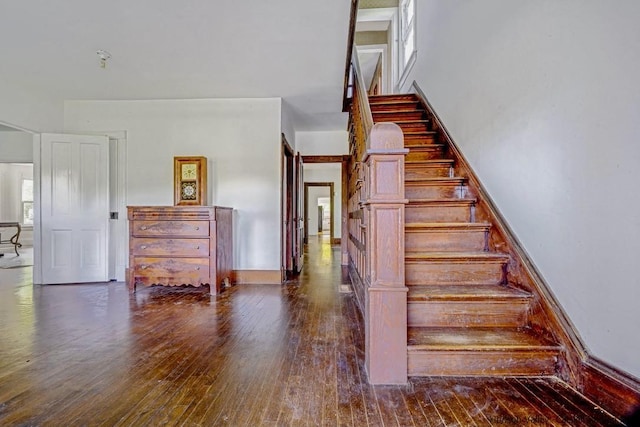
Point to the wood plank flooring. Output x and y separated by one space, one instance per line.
257 355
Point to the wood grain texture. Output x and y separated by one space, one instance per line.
253 277
180 245
255 355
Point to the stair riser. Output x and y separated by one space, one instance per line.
424 154
445 241
442 191
392 98
420 139
414 127
428 272
468 313
413 172
398 116
404 105
482 363
461 213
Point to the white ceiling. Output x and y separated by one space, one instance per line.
165 49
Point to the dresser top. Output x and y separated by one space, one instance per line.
174 212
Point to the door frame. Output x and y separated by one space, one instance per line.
120 183
306 208
344 214
287 201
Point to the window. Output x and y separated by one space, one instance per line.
27 202
407 38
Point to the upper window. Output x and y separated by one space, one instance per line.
407 38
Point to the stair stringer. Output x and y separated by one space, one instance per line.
546 316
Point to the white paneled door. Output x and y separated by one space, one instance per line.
74 209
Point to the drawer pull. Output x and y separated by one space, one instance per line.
198 247
143 267
144 227
198 268
143 247
197 228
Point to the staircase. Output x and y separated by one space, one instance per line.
464 318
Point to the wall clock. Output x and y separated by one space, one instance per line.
190 181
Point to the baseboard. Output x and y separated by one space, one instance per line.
336 241
616 391
250 277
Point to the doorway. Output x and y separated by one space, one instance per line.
291 227
16 197
314 192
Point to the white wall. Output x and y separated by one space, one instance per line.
29 109
240 138
322 143
544 99
287 125
16 147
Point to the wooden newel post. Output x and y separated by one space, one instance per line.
386 296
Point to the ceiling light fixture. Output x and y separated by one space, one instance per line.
103 55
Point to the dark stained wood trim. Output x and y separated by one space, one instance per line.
614 390
322 159
350 41
287 146
547 312
287 199
344 214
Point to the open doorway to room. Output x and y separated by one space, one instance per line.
330 172
16 198
319 211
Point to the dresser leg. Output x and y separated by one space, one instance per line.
131 283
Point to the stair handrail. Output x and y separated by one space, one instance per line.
347 92
360 103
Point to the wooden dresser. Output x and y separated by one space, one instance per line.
180 245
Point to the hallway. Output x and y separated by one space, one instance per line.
254 355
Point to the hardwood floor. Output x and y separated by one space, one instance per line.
76 355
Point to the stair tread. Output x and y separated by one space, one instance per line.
464 292
420 132
422 146
441 201
477 339
408 96
409 122
477 255
397 110
428 179
463 225
429 162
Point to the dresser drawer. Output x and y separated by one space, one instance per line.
176 271
148 246
170 228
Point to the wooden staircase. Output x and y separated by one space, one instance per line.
464 317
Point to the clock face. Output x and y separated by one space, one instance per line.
188 190
189 171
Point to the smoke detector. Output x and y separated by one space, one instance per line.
104 56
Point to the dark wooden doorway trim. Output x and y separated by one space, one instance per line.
306 208
287 206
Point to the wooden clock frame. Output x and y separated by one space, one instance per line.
195 168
